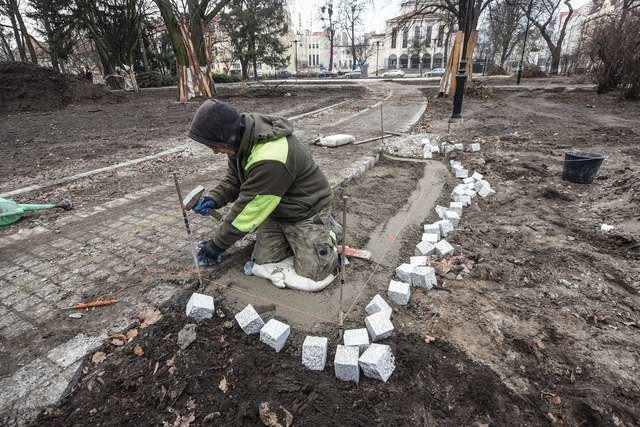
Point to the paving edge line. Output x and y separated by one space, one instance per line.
66 179
174 150
359 168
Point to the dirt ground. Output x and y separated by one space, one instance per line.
46 145
42 145
553 302
544 330
434 382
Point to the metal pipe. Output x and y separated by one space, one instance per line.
189 236
524 44
342 259
381 124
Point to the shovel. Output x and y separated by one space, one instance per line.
11 211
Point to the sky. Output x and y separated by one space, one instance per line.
378 11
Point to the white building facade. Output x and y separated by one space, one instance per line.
415 43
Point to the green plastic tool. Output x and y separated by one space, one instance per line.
11 211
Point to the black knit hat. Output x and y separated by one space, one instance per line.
217 124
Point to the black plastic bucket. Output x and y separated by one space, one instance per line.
581 167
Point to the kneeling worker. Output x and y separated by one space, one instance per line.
277 189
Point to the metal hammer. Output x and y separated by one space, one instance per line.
192 198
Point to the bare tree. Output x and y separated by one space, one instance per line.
329 21
363 50
612 46
56 22
350 16
544 15
506 27
6 54
456 8
11 8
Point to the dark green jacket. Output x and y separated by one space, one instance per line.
271 175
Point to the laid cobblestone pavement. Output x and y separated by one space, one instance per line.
133 249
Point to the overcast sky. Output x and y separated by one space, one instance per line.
308 12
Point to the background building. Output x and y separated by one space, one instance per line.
415 43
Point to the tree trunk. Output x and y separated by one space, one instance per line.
179 49
143 51
53 52
197 38
503 57
555 58
254 56
353 43
331 35
244 63
16 34
23 30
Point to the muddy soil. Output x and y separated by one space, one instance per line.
222 378
30 87
53 144
552 303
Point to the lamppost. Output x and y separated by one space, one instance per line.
295 61
461 77
524 44
377 52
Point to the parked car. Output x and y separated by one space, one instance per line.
436 72
285 74
393 74
355 74
326 73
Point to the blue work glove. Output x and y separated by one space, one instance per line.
209 254
203 205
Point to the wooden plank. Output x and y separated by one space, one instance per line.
455 61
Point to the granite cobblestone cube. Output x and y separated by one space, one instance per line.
431 237
418 260
346 363
424 277
377 362
453 217
200 306
399 292
378 305
314 352
249 320
403 272
425 248
432 228
444 249
446 227
274 334
356 338
379 326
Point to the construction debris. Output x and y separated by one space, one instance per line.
336 140
187 335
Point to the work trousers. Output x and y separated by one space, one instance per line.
309 241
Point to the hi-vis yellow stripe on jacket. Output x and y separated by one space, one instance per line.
272 175
259 209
